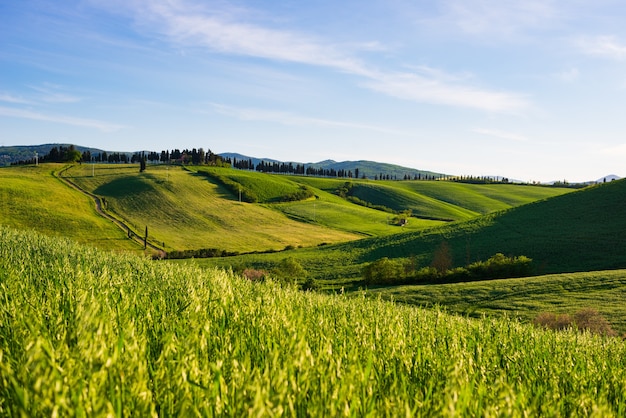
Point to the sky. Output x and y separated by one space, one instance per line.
532 90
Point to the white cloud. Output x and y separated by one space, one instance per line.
66 120
416 87
51 94
8 98
190 25
603 46
509 136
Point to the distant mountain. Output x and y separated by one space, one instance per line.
608 178
369 169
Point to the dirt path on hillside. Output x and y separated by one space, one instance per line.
99 208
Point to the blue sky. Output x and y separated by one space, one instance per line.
531 90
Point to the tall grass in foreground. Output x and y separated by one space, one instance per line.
86 333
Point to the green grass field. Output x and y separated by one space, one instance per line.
577 231
189 211
90 333
526 297
32 198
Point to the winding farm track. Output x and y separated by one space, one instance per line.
98 202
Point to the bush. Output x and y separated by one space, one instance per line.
587 319
549 320
501 267
383 271
303 193
289 271
398 271
254 275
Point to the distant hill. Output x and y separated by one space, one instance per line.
369 169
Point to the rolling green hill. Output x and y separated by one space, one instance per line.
578 231
185 210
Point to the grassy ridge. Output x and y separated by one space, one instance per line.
89 333
32 198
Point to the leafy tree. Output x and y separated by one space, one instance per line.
289 271
383 271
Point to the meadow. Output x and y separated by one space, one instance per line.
88 332
523 298
573 232
184 210
32 197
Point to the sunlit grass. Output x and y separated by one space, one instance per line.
184 210
32 198
88 333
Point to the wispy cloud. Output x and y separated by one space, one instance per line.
53 94
288 118
8 98
193 26
603 46
66 120
509 136
420 88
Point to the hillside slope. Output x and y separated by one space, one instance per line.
187 211
32 198
577 231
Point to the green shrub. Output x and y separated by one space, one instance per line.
289 271
501 267
394 272
303 193
384 271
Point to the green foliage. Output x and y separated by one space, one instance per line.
84 332
289 271
383 271
303 193
389 272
